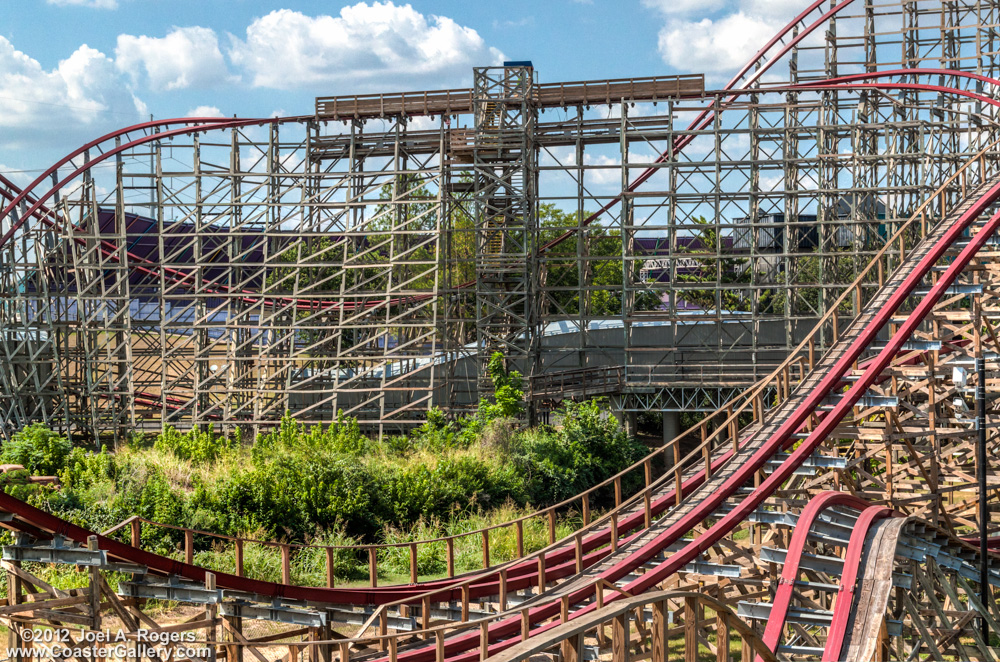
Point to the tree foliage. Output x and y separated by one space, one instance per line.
717 265
38 449
508 391
601 273
297 480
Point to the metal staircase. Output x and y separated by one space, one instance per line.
504 174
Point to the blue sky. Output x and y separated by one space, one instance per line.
71 70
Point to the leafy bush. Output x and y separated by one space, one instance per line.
341 437
82 469
38 449
588 449
195 445
300 482
508 391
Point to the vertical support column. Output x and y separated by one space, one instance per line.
260 369
200 336
320 652
631 423
981 461
753 217
458 266
312 192
625 234
671 427
504 167
354 221
14 587
620 638
231 403
124 412
95 588
232 634
690 630
585 270
935 441
437 314
211 614
828 140
86 267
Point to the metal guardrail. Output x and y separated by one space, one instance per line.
580 382
606 380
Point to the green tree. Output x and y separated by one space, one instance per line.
715 265
508 391
806 284
602 268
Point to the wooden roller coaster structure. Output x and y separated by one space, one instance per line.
826 510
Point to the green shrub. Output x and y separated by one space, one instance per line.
332 482
588 449
341 437
508 391
195 445
83 469
38 449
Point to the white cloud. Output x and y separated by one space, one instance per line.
95 4
607 170
771 181
423 123
716 47
783 10
562 156
204 111
81 91
717 37
684 6
16 175
378 44
186 57
140 105
514 23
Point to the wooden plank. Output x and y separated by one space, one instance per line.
721 638
619 638
44 604
549 95
659 640
690 630
63 617
238 636
872 599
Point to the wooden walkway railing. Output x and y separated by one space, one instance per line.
548 95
